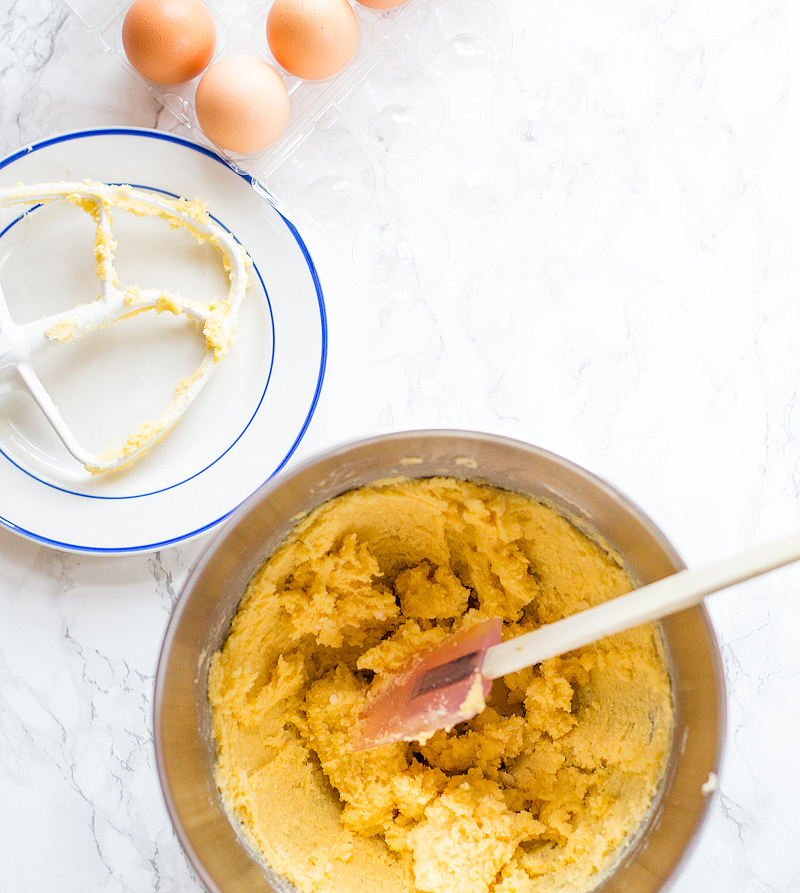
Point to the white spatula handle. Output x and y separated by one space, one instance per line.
652 602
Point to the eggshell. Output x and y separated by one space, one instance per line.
242 104
169 41
312 39
382 4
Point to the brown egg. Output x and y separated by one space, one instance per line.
242 104
382 4
169 41
312 39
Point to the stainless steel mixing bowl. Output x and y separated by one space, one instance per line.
184 744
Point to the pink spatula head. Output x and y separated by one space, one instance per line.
436 689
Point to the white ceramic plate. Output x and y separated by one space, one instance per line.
246 422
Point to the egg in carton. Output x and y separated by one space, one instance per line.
438 120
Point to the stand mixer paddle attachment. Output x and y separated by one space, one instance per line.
21 344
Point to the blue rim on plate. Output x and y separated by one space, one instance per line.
302 424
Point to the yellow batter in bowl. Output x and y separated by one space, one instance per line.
537 793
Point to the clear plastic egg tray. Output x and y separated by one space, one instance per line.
430 132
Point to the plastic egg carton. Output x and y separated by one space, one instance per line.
429 133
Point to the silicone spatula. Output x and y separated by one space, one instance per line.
449 683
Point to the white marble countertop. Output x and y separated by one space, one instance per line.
635 310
